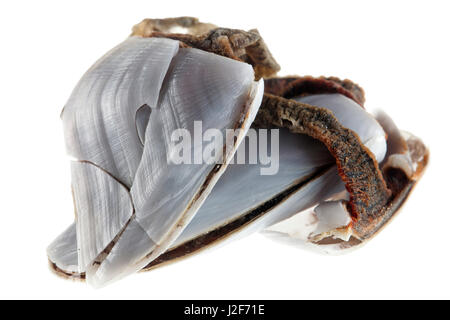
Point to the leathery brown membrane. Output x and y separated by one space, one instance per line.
342 173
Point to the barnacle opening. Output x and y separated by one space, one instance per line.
226 230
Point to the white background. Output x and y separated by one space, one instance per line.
398 51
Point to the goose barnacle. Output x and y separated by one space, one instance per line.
138 206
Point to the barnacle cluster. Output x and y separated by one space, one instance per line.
341 173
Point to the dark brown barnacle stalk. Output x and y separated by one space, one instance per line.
294 86
246 46
374 195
